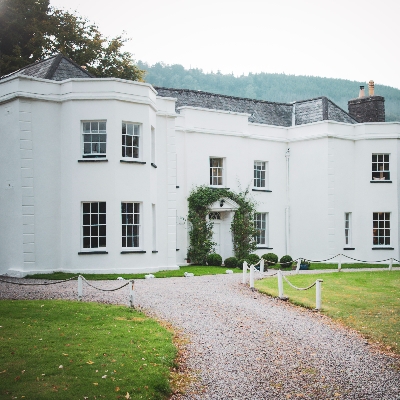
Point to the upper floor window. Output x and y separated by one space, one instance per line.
130 215
130 140
380 167
381 229
216 171
260 224
94 139
259 174
94 225
347 229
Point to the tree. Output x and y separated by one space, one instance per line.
31 30
22 27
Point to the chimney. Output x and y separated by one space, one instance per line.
371 87
367 109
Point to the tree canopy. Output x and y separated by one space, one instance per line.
31 30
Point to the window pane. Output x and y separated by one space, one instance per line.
102 207
94 126
102 126
86 127
94 242
130 129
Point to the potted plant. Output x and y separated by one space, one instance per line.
304 264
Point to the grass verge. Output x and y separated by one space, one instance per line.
368 302
197 270
60 349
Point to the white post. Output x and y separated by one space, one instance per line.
244 272
391 264
298 266
280 285
318 294
339 267
252 276
262 265
80 287
131 287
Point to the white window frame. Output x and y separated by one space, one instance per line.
261 218
131 140
380 167
348 229
94 138
217 173
94 225
131 225
381 229
260 172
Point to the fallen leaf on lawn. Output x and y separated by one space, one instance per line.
95 383
104 376
60 367
89 362
2 372
127 396
117 389
22 371
17 378
64 354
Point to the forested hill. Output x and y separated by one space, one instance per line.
264 86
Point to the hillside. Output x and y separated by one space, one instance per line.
264 86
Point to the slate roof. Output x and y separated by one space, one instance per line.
56 68
261 111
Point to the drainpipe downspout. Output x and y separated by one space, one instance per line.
287 208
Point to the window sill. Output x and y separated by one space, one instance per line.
349 248
218 187
132 161
260 247
133 251
153 165
381 181
261 190
81 253
93 160
155 251
383 248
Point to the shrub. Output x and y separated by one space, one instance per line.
271 259
231 262
286 261
241 261
253 258
214 260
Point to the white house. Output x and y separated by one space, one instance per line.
95 173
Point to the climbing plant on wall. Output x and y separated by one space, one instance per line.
200 234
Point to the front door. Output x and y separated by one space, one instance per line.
217 237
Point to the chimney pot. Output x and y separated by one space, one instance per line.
371 87
362 92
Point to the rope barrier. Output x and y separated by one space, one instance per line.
297 288
104 290
38 284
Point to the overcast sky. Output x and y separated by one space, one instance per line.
349 39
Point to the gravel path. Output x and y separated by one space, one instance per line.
244 345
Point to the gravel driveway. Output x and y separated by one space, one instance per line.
244 345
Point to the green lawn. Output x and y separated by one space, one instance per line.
366 301
197 270
72 350
316 266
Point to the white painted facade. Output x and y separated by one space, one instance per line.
315 174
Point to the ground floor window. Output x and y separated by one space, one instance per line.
260 223
94 224
130 215
381 229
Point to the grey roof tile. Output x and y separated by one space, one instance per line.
57 68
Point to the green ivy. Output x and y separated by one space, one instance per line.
200 234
